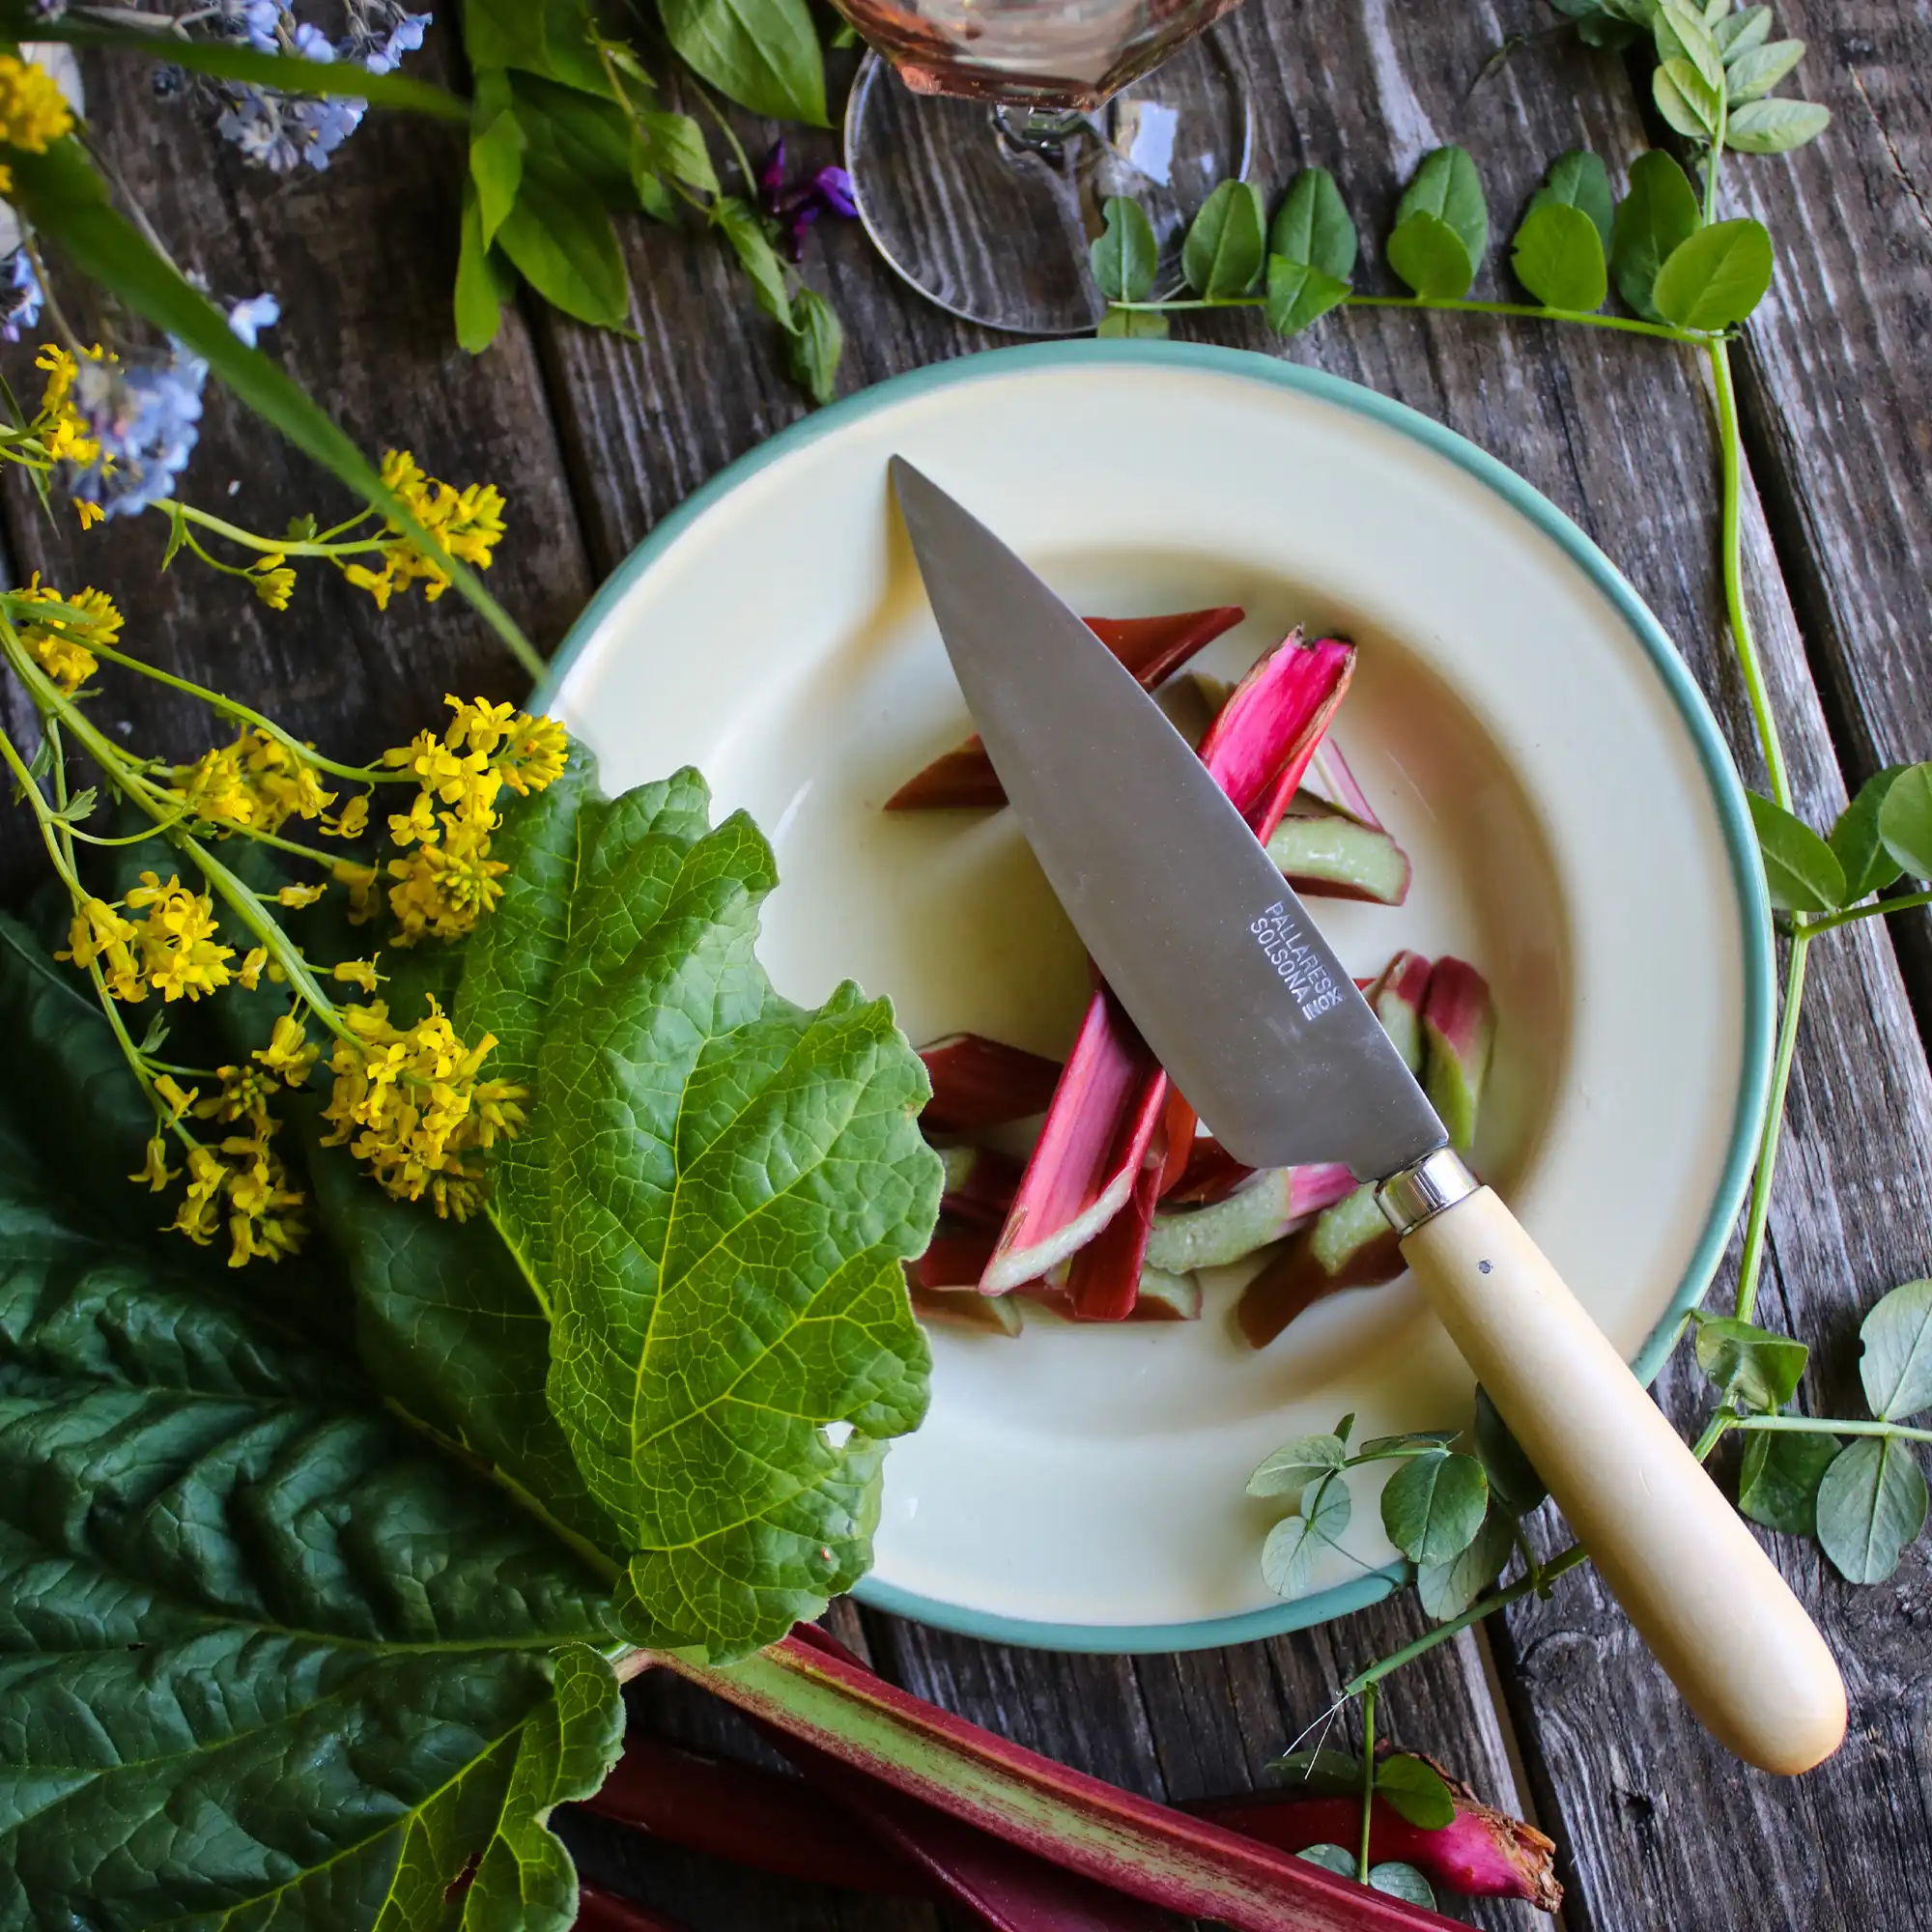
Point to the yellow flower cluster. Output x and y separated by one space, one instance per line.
466 522
59 644
449 880
409 1104
258 784
66 435
34 114
171 949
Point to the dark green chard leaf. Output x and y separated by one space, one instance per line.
729 1183
1896 1365
1750 1368
1312 226
1905 820
1447 187
763 54
1579 179
1717 278
1868 867
1653 220
1448 1589
1124 256
1431 257
265 1655
1778 1476
1558 257
1416 1791
1871 1503
1222 254
1288 1556
1801 871
1298 294
1775 126
1434 1505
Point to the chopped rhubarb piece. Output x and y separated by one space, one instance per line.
1329 856
1178 1127
1274 1203
1153 648
1330 780
1211 1174
600 1910
980 1083
1396 998
758 1818
1459 1026
1104 1278
1112 1095
1167 1297
1132 1845
1348 1245
963 1306
1104 1114
979 1184
1481 1854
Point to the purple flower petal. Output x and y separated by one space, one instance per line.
833 189
772 173
803 219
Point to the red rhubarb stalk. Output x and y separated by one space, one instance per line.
1458 1027
1112 1096
1250 1218
1326 855
1103 1283
980 1185
951 1260
1211 1174
1186 1865
1330 780
1153 648
980 1083
600 1910
1483 1853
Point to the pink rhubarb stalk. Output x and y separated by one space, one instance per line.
1153 648
1330 780
1112 1098
980 1083
1459 1028
600 1910
1165 1858
1483 1853
980 1186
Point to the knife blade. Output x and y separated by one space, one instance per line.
1263 1031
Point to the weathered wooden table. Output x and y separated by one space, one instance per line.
1558 1711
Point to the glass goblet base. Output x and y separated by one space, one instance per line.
988 210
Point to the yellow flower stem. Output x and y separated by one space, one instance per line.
43 817
126 838
318 546
230 708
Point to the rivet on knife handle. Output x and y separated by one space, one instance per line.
1695 1583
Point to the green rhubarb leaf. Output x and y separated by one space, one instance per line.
726 1186
266 1656
1895 1364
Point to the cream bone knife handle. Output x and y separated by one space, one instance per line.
1693 1580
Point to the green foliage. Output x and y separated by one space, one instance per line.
1298 294
1895 1361
1856 841
1513 1479
726 1186
1223 252
1801 870
1579 179
1447 1589
1330 1858
1905 820
1433 1505
763 54
1715 278
1295 1465
1870 1504
1288 1556
1416 1791
1657 216
266 1653
1404 1881
1751 1369
1125 256
1778 1477
1432 258
1447 187
1558 257
1312 226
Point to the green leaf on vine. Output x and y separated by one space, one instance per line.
1448 186
1223 252
1416 1791
1775 126
1871 1503
1434 1506
1124 255
1653 220
1298 294
1868 867
1429 256
1579 179
1801 871
1750 1368
1288 1556
1778 1477
1905 820
1717 278
1558 257
1312 226
1896 1363
1142 324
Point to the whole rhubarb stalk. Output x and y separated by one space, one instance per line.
1153 648
807 1688
1098 1138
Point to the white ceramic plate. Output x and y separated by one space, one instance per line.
1519 719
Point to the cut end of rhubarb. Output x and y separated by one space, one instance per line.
1459 1025
980 1083
1329 856
1349 1245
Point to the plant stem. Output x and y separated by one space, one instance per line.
1368 1778
287 545
1757 1218
1664 331
1829 921
1825 1424
1731 448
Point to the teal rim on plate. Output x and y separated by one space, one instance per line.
1727 789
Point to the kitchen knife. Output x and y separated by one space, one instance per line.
1263 1029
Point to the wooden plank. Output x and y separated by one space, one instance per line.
363 258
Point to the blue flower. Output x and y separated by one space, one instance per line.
404 38
247 319
20 301
146 416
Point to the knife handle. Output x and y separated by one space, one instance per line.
1695 1583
